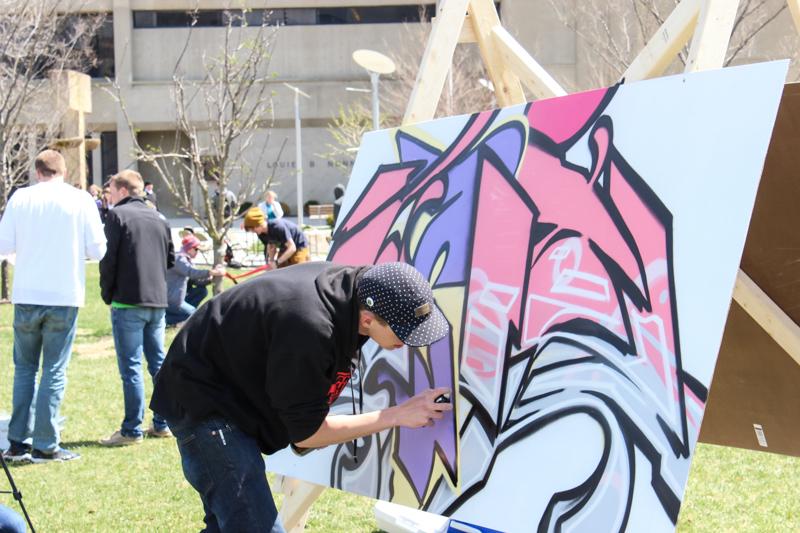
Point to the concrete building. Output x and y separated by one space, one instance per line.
314 41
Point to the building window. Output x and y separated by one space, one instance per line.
296 16
103 47
108 155
145 19
374 15
292 16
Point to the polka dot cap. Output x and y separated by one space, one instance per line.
399 294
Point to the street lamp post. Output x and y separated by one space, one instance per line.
298 150
376 64
374 78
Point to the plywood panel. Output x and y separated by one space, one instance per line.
755 382
772 250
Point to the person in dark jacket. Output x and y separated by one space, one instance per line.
181 301
133 282
338 198
150 195
256 368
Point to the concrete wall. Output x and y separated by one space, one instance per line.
321 53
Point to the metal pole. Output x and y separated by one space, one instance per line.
298 158
376 104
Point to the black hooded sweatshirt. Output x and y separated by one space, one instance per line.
269 355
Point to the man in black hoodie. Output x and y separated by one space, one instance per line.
256 369
133 281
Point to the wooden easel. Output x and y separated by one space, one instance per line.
708 23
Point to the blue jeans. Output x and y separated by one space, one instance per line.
47 331
225 466
137 330
11 521
194 295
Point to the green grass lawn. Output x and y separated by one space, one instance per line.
141 488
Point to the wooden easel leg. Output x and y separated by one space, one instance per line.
484 19
794 7
767 314
540 83
712 35
298 496
436 61
666 42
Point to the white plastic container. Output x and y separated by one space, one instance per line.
394 518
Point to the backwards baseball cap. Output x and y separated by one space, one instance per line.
190 242
254 218
400 296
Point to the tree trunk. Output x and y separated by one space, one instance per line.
219 259
4 296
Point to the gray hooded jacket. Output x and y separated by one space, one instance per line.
177 276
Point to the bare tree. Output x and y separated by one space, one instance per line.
37 38
464 92
218 120
615 31
346 130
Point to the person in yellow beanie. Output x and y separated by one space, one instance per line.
285 243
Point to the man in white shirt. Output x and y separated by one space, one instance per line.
53 228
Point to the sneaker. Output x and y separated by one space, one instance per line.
17 452
59 455
118 439
158 433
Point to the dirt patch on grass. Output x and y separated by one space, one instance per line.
95 350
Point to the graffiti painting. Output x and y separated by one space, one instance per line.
559 239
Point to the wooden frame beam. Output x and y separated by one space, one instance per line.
298 496
666 43
530 72
436 61
485 21
768 315
712 35
467 32
794 8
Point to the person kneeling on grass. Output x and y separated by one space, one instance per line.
257 367
285 243
182 302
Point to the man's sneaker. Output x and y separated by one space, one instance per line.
59 455
158 433
17 452
118 439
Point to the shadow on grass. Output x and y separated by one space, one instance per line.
88 444
14 464
96 444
